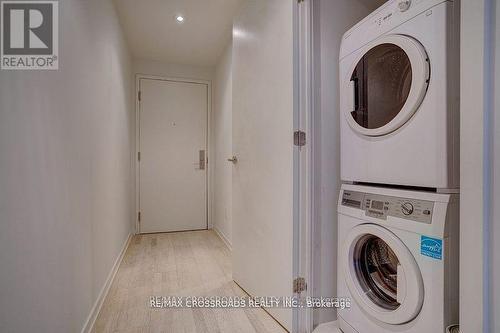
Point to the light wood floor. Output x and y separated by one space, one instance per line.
177 264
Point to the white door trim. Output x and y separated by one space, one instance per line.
476 158
208 83
303 158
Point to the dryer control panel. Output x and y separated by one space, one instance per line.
381 206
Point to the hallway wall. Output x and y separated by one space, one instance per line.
151 67
65 174
222 115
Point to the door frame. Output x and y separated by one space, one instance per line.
208 170
305 197
477 168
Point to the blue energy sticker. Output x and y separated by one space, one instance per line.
431 247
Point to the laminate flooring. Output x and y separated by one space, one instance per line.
195 263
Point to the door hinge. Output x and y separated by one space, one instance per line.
139 95
139 216
299 285
299 138
139 156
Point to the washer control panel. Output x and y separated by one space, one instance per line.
393 9
381 206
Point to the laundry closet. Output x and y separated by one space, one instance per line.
385 200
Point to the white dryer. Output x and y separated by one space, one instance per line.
399 96
398 260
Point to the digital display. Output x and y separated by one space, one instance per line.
352 203
379 205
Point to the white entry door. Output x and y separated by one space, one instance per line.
262 239
173 168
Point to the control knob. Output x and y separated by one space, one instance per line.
407 208
404 5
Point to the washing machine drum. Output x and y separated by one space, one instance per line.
382 274
385 85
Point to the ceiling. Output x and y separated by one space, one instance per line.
153 33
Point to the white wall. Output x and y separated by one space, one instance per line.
150 67
65 174
222 125
332 19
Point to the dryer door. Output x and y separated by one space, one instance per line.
385 85
382 274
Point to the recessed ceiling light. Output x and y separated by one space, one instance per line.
179 18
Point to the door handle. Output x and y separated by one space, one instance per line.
201 155
233 159
352 95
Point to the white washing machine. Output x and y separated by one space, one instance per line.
399 96
398 260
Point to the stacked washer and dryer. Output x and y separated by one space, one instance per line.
398 206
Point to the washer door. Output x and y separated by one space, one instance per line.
382 274
386 85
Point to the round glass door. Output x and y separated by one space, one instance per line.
382 274
387 85
376 267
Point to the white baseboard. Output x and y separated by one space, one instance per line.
89 324
223 238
